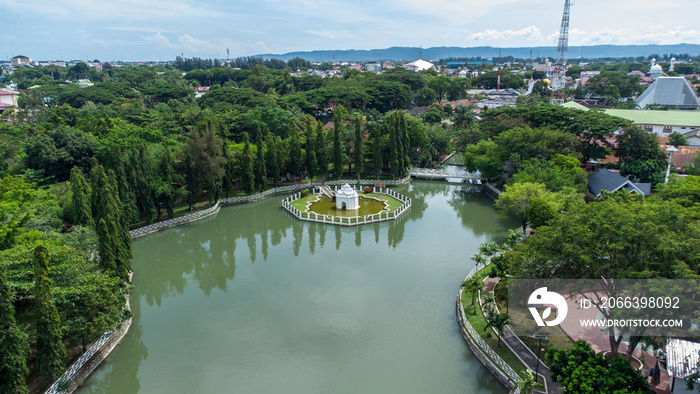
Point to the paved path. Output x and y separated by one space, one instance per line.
523 351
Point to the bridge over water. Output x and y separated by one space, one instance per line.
449 174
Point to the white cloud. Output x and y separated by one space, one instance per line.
531 33
330 33
191 44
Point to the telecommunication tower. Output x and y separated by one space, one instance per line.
559 71
563 46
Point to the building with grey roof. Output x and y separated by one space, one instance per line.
606 180
670 91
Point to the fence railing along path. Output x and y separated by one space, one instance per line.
482 345
215 208
440 173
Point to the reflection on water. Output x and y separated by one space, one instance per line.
255 300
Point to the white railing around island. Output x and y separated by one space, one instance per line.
349 221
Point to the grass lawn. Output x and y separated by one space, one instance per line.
393 203
475 317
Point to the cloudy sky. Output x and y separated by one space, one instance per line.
162 29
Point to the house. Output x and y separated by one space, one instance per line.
419 65
682 360
8 99
373 67
693 137
670 91
606 180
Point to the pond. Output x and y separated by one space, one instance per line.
255 301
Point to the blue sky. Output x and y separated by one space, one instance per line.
162 29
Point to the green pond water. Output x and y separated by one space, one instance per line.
368 206
253 300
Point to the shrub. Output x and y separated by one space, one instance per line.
368 189
304 192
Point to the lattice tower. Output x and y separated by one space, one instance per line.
563 46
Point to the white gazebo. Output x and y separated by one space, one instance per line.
346 198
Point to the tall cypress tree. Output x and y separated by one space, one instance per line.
113 238
229 171
294 154
82 212
392 124
246 166
260 170
13 344
50 351
321 155
272 158
377 159
338 161
311 163
359 157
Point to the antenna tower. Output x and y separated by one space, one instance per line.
563 46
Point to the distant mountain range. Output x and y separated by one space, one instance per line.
434 53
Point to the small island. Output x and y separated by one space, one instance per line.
347 206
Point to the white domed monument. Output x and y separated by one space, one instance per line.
347 198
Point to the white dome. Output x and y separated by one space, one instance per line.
656 69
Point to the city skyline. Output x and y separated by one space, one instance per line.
130 30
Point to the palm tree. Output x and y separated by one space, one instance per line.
528 381
496 321
472 286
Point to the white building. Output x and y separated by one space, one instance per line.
347 198
20 61
8 99
419 65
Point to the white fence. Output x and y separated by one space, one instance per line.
350 221
390 182
476 338
68 375
215 208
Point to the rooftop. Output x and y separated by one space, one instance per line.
671 118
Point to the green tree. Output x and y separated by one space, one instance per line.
622 237
246 167
527 382
294 154
377 159
260 171
496 321
677 139
359 156
580 370
633 143
82 212
321 151
113 238
272 158
50 351
13 344
311 163
472 286
338 155
531 202
202 163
